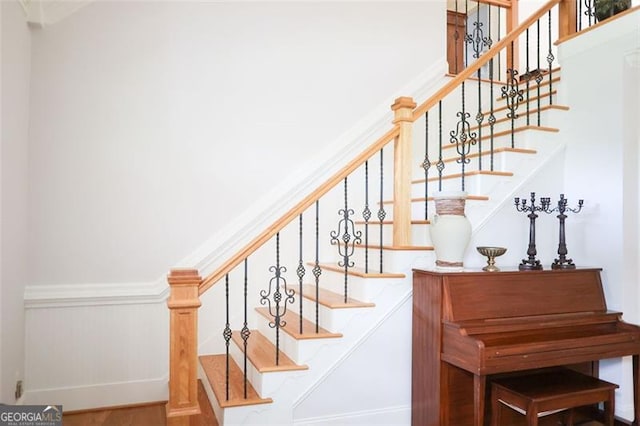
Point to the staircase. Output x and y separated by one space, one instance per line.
332 284
305 359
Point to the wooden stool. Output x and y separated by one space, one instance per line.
537 395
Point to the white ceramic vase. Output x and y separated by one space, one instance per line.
450 229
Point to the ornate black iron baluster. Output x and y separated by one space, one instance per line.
539 75
479 120
589 11
281 296
245 332
381 213
528 74
492 117
466 33
462 136
366 215
317 271
476 38
300 271
550 59
440 163
426 165
513 95
346 238
456 40
227 333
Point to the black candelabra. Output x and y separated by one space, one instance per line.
562 262
531 263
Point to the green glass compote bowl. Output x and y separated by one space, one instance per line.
491 253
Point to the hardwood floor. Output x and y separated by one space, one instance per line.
143 415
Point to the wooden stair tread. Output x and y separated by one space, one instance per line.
473 173
486 137
390 222
215 369
360 272
331 299
423 199
485 154
261 353
292 326
388 247
485 124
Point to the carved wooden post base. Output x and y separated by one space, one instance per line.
183 306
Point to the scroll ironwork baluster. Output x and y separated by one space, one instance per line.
426 165
300 271
463 137
539 77
528 74
346 238
440 163
492 117
366 215
227 333
381 213
513 96
317 270
589 11
550 59
245 332
281 296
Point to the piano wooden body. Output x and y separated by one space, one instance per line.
468 326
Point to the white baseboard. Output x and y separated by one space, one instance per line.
101 395
393 416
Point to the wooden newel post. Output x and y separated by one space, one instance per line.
403 115
183 306
567 19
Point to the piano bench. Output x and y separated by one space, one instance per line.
540 394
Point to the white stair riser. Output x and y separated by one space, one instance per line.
265 384
300 351
334 320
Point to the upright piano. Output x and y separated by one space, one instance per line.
470 326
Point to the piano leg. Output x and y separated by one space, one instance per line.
479 390
636 390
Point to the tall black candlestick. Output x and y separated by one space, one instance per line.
562 262
531 263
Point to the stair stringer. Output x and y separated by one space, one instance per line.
330 354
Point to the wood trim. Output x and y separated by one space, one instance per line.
506 4
567 19
597 25
261 239
183 306
480 62
402 163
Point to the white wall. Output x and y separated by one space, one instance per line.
155 125
602 163
14 122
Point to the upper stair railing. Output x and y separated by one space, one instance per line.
373 197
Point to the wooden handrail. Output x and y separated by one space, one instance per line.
473 68
299 208
505 4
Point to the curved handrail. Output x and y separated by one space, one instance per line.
299 208
486 57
